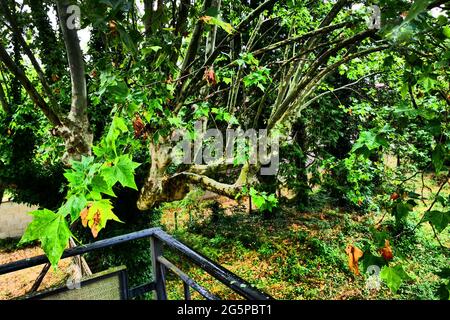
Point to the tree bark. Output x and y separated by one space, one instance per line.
211 39
148 15
3 101
19 74
76 130
302 197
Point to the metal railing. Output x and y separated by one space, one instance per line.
160 265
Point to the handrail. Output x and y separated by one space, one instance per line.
158 239
41 259
225 276
187 280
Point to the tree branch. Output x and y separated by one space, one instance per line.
255 13
308 77
31 90
18 34
3 101
78 111
302 37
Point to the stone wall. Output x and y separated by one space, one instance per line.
14 219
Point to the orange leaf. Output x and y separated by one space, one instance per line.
210 76
83 215
394 196
95 224
354 254
386 251
206 19
138 126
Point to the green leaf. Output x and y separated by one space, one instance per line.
437 158
443 292
127 40
119 91
117 127
438 219
78 175
428 83
370 140
74 205
446 31
417 8
121 170
444 273
99 185
402 210
51 230
379 237
371 260
393 277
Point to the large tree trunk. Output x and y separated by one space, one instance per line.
301 197
159 187
75 131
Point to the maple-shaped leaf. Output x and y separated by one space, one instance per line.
386 251
51 230
73 206
99 185
117 127
96 214
393 277
438 219
354 254
121 170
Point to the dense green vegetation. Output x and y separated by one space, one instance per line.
355 95
300 254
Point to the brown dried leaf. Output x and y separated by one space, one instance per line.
354 254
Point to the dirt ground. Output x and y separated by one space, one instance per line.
16 284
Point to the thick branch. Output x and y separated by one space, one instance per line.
293 94
78 111
19 74
333 13
195 40
3 101
313 83
224 189
30 55
254 14
192 84
302 37
148 11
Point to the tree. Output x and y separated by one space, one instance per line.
166 69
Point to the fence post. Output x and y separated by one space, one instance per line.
158 269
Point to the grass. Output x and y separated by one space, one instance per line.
301 255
